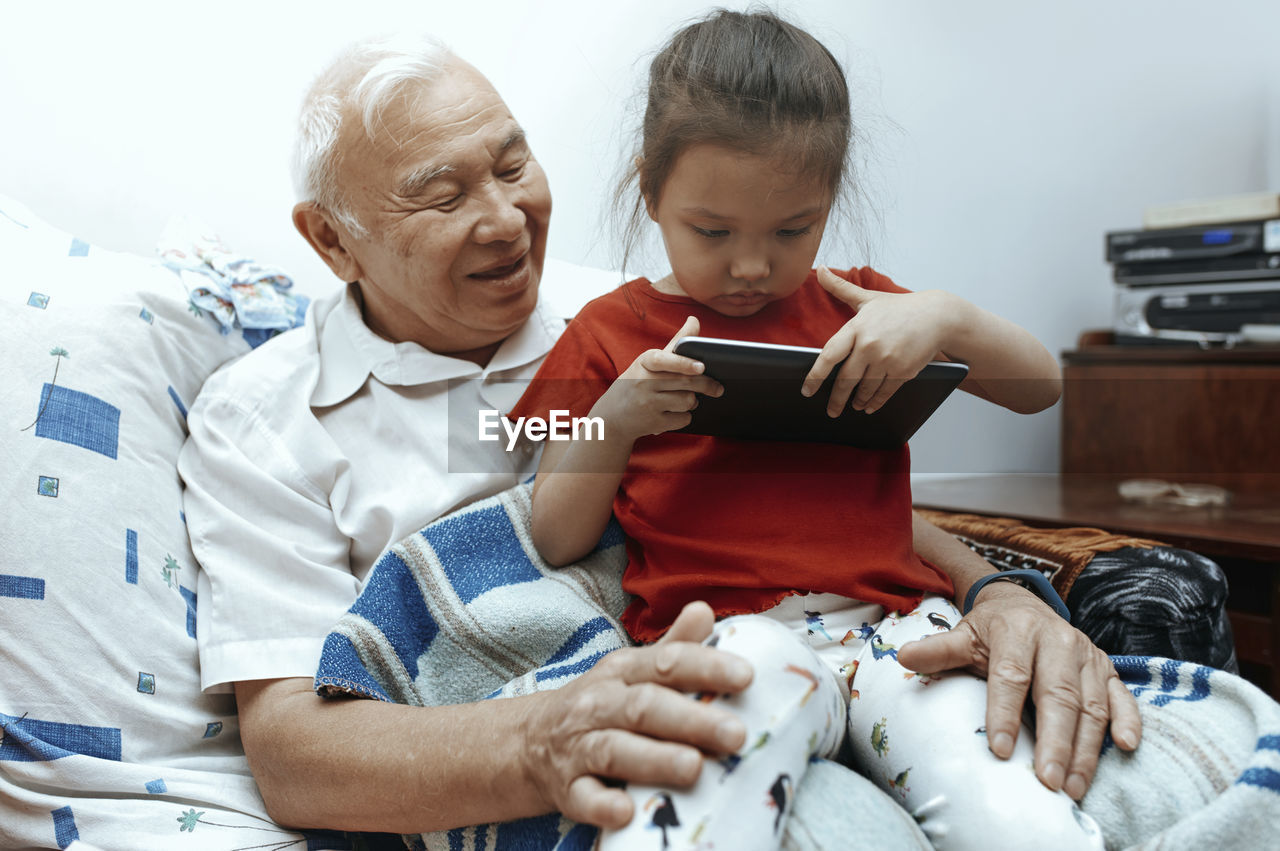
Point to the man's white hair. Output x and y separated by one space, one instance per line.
362 80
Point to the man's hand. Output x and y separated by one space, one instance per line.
1020 645
657 392
888 341
631 718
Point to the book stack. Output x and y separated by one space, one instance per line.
1203 272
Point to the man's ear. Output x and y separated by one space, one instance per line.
327 238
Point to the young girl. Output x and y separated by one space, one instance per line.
743 153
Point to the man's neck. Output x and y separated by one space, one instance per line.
479 356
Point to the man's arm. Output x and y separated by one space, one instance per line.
367 765
1024 648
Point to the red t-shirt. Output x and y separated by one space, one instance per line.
740 524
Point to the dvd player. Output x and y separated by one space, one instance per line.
1205 314
1241 267
1201 242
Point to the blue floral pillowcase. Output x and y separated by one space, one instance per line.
102 722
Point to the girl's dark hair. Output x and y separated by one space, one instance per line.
749 81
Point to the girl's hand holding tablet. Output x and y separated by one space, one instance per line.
887 343
656 393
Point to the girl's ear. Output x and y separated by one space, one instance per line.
650 205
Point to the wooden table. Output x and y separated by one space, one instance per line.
1243 537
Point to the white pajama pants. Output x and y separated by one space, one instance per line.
826 669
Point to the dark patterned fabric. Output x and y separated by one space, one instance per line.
1160 601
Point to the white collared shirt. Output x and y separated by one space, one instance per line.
311 455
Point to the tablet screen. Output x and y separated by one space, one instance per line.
762 398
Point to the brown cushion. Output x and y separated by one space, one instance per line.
1060 554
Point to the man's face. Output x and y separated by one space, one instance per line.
456 211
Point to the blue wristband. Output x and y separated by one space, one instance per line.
1029 578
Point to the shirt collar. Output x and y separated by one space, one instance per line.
350 353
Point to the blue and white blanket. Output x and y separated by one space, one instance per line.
465 610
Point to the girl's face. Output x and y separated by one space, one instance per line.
741 230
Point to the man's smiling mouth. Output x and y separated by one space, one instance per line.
502 270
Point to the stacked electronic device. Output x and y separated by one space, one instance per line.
1205 273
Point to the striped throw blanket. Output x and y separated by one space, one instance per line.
465 610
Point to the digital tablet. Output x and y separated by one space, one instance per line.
762 398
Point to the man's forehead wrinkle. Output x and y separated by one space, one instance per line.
445 126
404 123
428 132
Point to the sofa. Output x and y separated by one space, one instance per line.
106 740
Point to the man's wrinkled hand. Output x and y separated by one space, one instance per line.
1023 648
631 719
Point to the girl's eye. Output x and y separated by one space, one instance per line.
708 233
794 232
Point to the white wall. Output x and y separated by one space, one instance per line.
1006 136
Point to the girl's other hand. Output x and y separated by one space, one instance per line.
657 392
888 341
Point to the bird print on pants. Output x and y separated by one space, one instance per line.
880 649
780 796
664 815
863 632
813 621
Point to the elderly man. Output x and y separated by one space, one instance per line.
314 453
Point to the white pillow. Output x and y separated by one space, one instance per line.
105 736
566 286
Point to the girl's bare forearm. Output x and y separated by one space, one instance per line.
1007 364
573 496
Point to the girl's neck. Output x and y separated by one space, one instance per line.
668 286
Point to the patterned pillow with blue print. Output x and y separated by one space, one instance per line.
105 737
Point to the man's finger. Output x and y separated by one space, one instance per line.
682 666
690 328
694 623
947 651
1008 679
591 802
1059 697
1091 726
650 711
633 758
1126 720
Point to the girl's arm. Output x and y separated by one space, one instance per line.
573 494
1007 365
893 335
577 480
